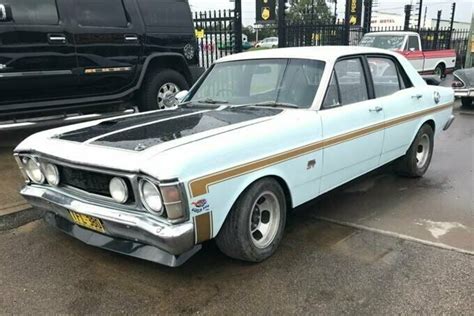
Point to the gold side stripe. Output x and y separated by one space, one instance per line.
203 227
200 186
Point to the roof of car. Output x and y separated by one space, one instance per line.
324 53
393 33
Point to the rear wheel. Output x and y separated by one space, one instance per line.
254 227
418 157
440 71
466 102
159 89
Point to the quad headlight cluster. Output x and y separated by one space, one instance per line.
159 199
39 173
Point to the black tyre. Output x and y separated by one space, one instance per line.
254 227
440 71
418 157
466 102
159 88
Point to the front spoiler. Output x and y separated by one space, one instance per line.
133 234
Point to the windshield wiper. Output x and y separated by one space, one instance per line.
212 101
277 104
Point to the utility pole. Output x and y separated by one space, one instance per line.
408 8
238 26
281 23
453 11
420 8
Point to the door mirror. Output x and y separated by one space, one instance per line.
5 13
412 49
180 96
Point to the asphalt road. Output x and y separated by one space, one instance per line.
321 267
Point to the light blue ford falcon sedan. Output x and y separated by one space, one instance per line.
259 134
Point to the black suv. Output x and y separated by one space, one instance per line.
65 55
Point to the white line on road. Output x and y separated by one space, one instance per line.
396 235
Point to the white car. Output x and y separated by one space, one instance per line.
259 134
269 42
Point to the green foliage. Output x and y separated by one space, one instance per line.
302 11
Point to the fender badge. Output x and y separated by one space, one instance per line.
200 206
436 97
311 164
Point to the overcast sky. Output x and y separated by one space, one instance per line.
464 8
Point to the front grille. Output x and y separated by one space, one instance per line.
90 181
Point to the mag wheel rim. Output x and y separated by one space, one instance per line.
423 151
264 221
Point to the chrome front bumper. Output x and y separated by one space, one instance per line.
136 234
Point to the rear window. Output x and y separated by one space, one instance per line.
169 15
100 13
35 12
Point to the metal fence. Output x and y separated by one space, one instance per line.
215 34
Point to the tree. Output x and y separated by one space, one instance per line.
316 11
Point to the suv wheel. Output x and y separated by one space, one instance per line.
159 89
254 227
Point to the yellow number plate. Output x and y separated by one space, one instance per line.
87 221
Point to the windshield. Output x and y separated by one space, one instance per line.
264 81
383 41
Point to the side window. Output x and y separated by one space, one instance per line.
35 12
331 99
413 43
351 81
172 15
384 75
103 13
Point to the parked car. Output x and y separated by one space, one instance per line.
244 147
463 85
269 42
74 55
439 62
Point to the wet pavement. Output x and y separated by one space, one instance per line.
374 261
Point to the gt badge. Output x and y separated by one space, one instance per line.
200 206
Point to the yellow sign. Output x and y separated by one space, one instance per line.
199 33
353 20
265 13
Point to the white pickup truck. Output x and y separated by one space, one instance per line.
439 62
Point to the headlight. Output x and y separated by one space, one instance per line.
118 190
33 170
51 173
151 197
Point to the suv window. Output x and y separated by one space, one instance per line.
36 12
384 75
103 13
413 43
351 81
170 14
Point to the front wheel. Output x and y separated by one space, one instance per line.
159 89
254 227
418 157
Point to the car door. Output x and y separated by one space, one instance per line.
108 45
414 53
393 89
37 58
352 124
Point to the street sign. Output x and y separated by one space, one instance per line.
266 11
199 33
354 12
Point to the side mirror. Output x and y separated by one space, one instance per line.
412 49
5 13
180 96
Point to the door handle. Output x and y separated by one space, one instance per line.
417 96
57 38
131 38
376 109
